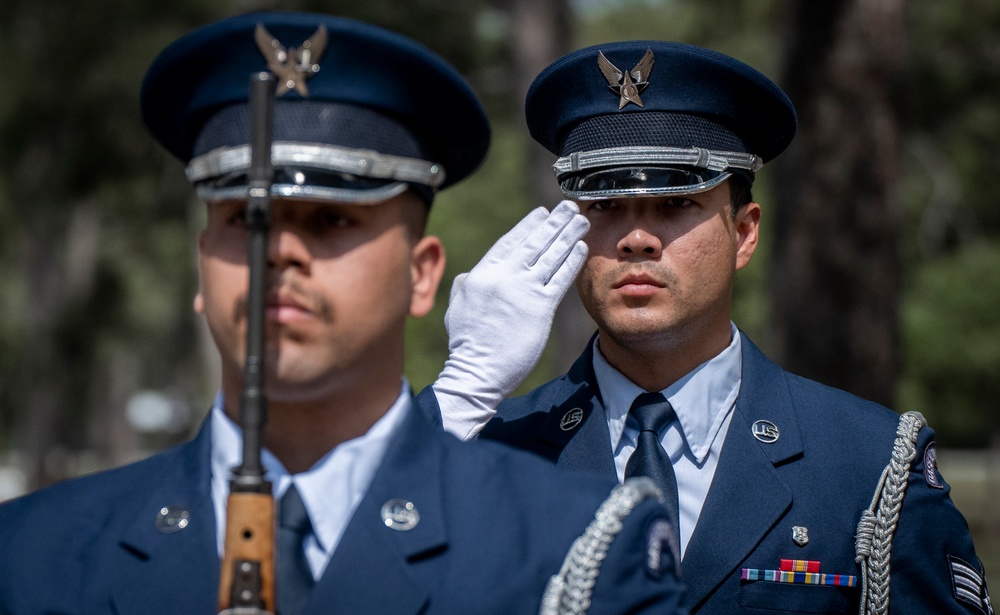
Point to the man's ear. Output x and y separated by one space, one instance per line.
747 228
426 271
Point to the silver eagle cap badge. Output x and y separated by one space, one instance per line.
292 67
627 85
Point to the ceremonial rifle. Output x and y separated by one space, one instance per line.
246 585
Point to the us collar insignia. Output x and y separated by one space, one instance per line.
571 419
171 519
292 67
765 431
400 515
628 85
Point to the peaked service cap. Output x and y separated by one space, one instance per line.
639 118
360 112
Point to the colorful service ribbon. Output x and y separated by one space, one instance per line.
798 571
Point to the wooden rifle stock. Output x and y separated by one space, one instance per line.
246 584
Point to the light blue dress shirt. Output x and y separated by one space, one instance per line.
331 489
703 400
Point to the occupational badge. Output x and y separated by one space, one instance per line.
800 535
628 85
292 67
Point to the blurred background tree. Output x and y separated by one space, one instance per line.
879 273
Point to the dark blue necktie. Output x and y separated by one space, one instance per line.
653 413
295 579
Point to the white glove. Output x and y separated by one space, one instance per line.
500 314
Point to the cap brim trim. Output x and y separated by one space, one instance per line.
578 162
362 163
310 192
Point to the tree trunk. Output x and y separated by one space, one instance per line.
835 276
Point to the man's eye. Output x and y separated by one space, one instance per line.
604 205
237 218
332 219
679 201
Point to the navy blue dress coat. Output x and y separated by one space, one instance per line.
494 525
820 474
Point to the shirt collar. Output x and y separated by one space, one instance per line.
702 398
332 488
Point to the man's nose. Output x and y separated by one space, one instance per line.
639 241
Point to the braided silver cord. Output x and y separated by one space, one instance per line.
873 544
569 591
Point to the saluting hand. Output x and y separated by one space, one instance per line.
500 314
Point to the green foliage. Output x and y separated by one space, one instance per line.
951 239
744 29
952 121
952 343
95 240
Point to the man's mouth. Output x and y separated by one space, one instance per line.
283 306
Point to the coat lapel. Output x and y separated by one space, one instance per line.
578 426
747 497
588 445
161 567
370 569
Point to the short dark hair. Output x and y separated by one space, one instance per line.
739 192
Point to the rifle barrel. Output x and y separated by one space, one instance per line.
253 410
247 576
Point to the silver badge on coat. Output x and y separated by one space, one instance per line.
571 420
766 431
800 535
400 515
170 519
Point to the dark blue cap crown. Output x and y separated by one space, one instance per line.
373 91
627 99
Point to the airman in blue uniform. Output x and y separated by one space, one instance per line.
788 496
379 511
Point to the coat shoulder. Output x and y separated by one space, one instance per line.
822 413
847 412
